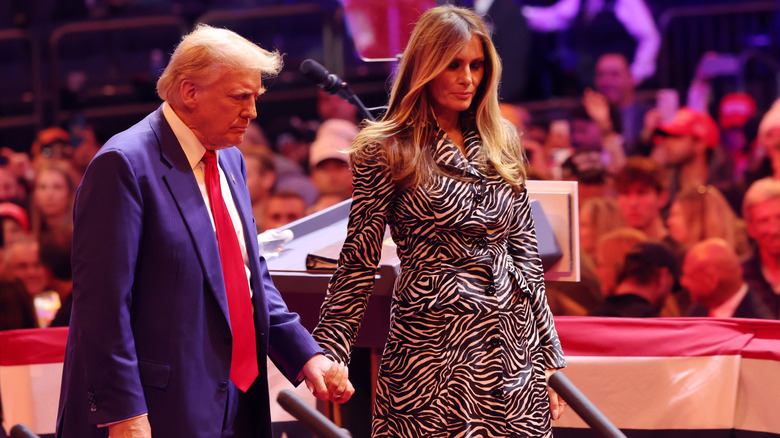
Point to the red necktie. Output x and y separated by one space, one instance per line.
243 369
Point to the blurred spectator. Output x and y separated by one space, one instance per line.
333 106
595 126
294 140
21 169
54 251
260 179
765 158
21 262
587 169
642 194
16 306
596 27
283 207
691 147
85 147
611 250
255 138
52 197
702 213
13 220
598 216
329 162
51 143
538 158
761 210
713 276
734 112
8 185
613 80
647 279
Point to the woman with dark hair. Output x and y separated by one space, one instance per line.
471 337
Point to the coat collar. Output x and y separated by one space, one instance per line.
446 154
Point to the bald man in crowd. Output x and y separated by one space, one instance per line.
712 273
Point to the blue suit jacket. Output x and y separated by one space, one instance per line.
150 329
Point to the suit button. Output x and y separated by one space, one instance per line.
494 343
228 340
480 243
223 385
490 291
478 197
497 393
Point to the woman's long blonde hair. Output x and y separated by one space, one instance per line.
408 129
708 214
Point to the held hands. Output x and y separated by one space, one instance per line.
328 380
557 404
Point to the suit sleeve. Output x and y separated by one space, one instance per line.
107 226
349 288
523 248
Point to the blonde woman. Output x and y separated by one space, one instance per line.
471 335
52 197
697 214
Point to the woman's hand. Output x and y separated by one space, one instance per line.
557 404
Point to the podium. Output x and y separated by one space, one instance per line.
554 208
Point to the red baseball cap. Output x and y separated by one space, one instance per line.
694 123
735 110
13 211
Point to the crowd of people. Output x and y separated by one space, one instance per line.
664 203
679 216
678 177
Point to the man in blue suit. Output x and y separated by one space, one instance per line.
153 334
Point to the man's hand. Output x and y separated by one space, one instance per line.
328 380
137 427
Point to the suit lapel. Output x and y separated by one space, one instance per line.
189 201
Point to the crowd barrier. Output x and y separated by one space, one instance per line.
670 377
675 377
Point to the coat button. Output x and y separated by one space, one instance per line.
494 343
478 197
490 291
480 243
223 385
497 393
228 340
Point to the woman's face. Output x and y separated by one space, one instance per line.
676 223
52 193
454 88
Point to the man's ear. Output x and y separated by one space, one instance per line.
189 93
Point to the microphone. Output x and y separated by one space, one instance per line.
316 73
21 431
311 418
332 84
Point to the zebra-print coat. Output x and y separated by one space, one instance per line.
471 333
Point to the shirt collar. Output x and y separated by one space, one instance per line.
727 309
193 148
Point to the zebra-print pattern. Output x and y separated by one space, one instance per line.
471 333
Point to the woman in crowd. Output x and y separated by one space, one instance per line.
471 336
52 198
697 214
